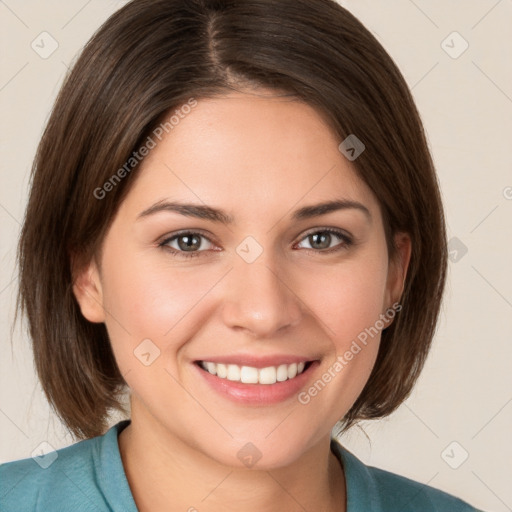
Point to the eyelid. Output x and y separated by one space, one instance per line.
347 241
211 238
347 238
337 231
195 231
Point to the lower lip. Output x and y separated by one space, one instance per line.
258 394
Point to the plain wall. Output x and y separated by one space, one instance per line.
464 395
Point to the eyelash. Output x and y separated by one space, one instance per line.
346 243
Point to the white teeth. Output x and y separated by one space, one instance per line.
233 372
282 373
251 375
212 368
222 371
267 375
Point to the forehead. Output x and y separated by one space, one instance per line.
249 152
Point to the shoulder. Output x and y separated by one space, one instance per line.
71 478
399 491
53 479
371 488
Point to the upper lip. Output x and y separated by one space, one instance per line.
257 361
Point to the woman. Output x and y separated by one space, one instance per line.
234 216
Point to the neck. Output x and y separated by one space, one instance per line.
162 469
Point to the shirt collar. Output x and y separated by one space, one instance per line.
361 488
111 476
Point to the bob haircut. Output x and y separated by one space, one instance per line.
148 59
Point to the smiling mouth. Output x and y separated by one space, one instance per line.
252 375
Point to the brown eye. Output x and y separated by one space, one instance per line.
189 242
320 240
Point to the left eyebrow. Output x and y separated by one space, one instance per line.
217 215
330 206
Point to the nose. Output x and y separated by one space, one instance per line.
260 300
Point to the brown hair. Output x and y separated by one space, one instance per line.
154 55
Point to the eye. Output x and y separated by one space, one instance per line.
190 243
187 242
325 240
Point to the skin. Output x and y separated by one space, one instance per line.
259 158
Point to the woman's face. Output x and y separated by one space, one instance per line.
221 253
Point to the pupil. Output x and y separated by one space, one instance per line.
320 240
190 242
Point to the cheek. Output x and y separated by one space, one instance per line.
155 302
347 298
348 301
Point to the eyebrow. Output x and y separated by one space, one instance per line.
217 215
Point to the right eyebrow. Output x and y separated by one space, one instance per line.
189 210
218 215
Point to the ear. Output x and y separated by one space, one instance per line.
88 292
397 269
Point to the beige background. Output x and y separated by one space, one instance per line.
465 392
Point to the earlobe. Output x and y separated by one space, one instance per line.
88 292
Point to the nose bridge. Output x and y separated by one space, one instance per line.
258 299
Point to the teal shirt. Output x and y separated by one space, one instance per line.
89 476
